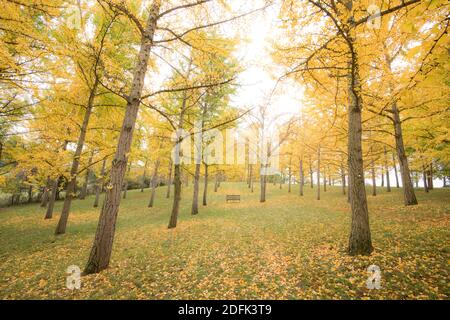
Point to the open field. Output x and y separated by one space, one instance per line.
287 248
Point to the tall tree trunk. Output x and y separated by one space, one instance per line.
198 160
61 181
101 250
205 190
430 177
144 176
125 186
71 185
177 176
311 177
408 189
99 184
83 193
386 165
395 171
324 181
302 177
263 183
425 180
194 209
177 197
52 199
374 181
318 173
46 194
360 241
154 183
169 184
343 179
53 195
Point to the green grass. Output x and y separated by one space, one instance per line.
287 248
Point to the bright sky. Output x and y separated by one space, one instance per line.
260 77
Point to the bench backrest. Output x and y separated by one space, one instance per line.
233 197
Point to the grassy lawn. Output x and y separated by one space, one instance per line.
287 248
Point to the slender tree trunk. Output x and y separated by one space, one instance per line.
99 184
194 209
408 189
169 184
154 183
83 193
53 191
263 183
311 177
198 146
395 171
177 176
71 185
302 177
382 177
177 197
386 165
318 173
61 180
324 181
360 241
205 190
144 176
125 186
430 177
102 247
374 181
52 199
425 180
343 179
416 175
46 195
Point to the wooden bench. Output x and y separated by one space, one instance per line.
233 198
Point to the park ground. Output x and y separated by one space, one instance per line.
290 247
